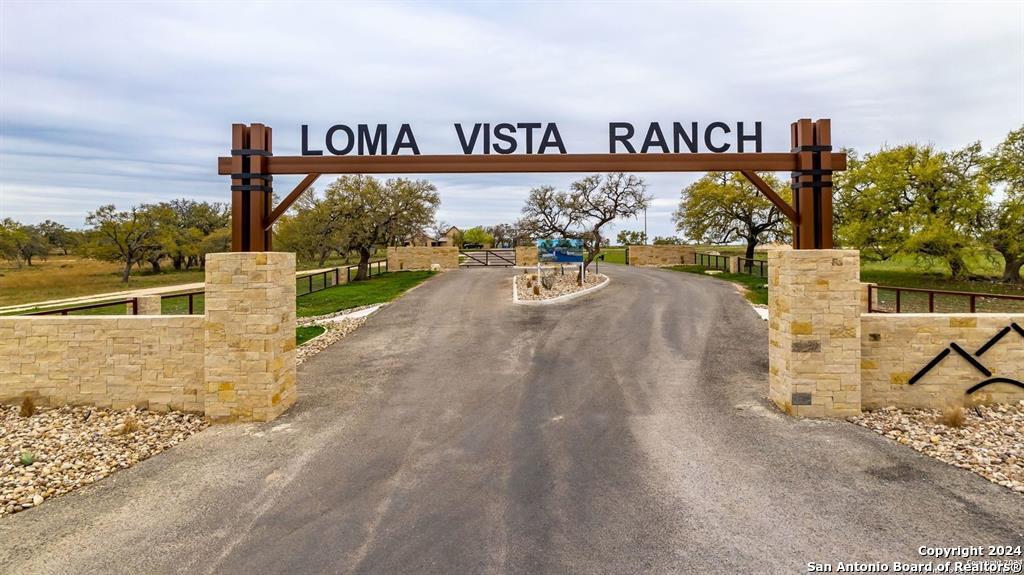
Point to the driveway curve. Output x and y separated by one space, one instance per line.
623 432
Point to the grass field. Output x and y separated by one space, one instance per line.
614 255
380 289
70 276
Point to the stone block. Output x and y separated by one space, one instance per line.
254 329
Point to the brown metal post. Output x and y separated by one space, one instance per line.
239 141
812 184
251 187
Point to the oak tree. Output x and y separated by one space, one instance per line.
723 207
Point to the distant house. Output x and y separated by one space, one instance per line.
449 238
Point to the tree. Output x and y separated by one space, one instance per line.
21 243
668 241
189 223
126 236
58 235
217 241
372 212
503 235
314 231
1004 229
871 210
913 199
477 236
631 238
723 207
580 213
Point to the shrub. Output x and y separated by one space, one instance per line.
548 282
130 425
952 416
27 458
28 408
536 290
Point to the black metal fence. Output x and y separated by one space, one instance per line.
378 266
753 267
891 299
183 303
94 308
713 261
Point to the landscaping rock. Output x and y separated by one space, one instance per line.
560 284
76 446
336 330
990 443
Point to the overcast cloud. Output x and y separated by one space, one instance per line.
128 103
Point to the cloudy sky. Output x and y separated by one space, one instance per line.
128 103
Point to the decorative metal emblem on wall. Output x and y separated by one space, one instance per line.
973 360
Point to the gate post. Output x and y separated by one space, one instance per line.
249 335
814 307
251 187
812 184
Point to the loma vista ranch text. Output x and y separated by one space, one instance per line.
539 138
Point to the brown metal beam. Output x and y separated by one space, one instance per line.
288 201
521 163
775 198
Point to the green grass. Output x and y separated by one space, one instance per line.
380 289
306 333
614 255
756 287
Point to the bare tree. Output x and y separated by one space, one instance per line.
581 212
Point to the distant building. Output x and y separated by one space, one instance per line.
450 238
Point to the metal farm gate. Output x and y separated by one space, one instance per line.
503 257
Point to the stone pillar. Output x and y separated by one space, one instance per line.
526 255
865 297
734 264
249 335
342 275
814 306
148 305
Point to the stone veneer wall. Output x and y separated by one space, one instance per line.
814 331
237 362
661 255
526 256
116 362
250 335
894 347
422 257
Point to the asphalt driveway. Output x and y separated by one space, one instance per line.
622 432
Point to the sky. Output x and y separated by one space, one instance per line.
130 103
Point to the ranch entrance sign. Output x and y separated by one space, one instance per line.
496 148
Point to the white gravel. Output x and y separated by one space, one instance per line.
77 446
990 443
336 330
